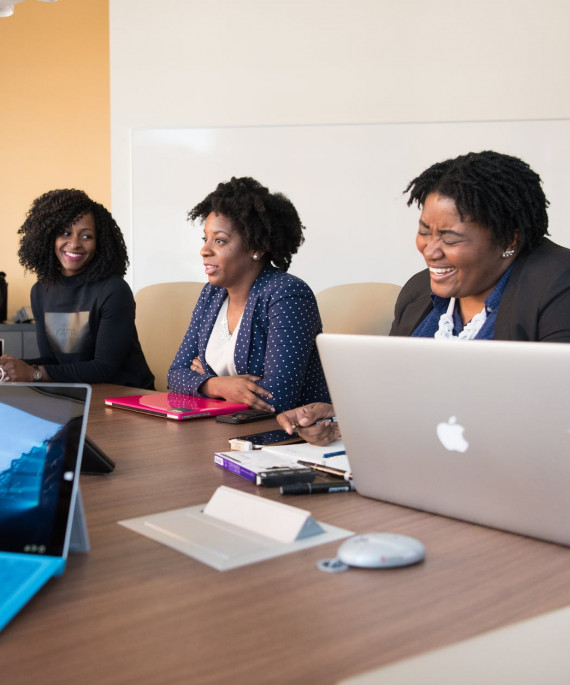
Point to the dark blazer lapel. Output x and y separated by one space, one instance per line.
244 341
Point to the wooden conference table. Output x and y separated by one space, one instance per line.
135 611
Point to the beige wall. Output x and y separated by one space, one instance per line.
250 62
205 63
54 114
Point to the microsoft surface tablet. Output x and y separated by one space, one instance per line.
43 429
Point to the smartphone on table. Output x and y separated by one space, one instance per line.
246 416
274 437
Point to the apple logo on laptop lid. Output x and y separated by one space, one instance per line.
450 435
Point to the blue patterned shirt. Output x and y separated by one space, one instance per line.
428 327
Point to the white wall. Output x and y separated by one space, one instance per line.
188 63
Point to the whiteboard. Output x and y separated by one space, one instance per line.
346 181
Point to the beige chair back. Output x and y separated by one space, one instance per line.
358 308
163 314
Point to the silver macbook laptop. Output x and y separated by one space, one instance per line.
478 431
42 429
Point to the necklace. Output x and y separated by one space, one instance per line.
225 334
445 330
222 325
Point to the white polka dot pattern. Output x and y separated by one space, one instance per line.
276 341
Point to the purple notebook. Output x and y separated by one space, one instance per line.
174 405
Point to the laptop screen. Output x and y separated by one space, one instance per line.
41 432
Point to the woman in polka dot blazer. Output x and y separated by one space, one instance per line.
252 334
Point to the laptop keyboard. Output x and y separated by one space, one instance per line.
14 573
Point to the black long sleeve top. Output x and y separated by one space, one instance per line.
86 332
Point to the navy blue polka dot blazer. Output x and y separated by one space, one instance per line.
276 341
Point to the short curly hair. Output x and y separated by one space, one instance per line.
54 212
496 190
266 221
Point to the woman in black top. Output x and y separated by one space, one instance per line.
83 309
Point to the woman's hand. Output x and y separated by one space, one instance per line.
312 422
238 389
197 366
15 370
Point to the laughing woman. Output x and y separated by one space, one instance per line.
252 334
492 274
83 309
491 271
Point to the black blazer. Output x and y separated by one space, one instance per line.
534 306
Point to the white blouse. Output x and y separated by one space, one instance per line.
221 345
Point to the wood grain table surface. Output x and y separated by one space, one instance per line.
135 611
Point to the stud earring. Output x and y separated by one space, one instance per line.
507 253
256 256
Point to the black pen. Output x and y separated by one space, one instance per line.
314 488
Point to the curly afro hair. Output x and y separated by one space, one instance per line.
266 221
54 212
499 191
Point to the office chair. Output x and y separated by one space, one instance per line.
162 316
359 308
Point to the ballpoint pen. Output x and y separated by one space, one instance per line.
326 469
330 419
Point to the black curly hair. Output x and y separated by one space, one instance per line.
54 212
266 221
498 191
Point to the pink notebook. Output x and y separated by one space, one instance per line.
174 405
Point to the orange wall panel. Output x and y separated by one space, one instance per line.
54 115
